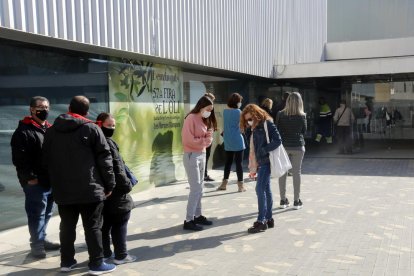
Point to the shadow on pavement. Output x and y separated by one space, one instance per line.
170 249
158 200
358 167
82 269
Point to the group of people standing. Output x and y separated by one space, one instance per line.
241 129
77 159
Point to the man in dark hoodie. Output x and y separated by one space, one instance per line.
79 162
26 145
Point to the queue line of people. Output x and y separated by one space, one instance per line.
46 156
241 128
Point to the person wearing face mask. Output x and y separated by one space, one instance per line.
252 121
117 207
197 135
26 145
233 141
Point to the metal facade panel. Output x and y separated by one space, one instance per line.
238 35
370 19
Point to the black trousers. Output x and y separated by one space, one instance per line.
115 226
237 156
208 151
91 215
344 139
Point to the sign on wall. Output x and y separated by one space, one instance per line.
146 100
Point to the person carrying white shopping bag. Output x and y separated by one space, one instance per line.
252 122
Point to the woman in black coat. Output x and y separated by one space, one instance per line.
118 205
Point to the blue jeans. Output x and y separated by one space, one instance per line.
264 193
39 209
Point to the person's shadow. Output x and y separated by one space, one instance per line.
162 170
170 249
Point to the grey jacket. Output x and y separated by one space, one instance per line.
347 117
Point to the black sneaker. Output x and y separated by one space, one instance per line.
270 223
202 220
208 178
257 227
297 204
38 252
51 245
284 203
190 225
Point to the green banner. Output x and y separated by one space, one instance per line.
146 100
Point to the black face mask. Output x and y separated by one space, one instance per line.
108 132
42 114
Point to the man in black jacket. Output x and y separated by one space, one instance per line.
80 167
26 144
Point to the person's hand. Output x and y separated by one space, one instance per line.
209 133
33 182
108 194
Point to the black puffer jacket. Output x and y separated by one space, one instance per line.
120 201
26 145
78 159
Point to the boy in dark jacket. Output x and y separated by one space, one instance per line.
26 144
80 167
118 206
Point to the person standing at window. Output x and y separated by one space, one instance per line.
291 123
324 122
252 122
197 135
233 141
26 145
117 207
344 118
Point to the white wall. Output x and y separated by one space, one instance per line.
238 35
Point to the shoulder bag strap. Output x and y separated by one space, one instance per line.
267 133
342 114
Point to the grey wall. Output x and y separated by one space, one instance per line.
369 19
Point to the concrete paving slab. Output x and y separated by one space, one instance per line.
356 222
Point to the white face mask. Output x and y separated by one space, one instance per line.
239 105
206 114
250 123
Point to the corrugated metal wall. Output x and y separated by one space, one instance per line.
238 35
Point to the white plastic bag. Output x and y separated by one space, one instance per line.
279 159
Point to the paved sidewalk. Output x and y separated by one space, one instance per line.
357 219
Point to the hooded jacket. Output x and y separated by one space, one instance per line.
78 160
26 145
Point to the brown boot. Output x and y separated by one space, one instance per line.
223 185
241 186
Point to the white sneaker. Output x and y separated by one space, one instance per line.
127 259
